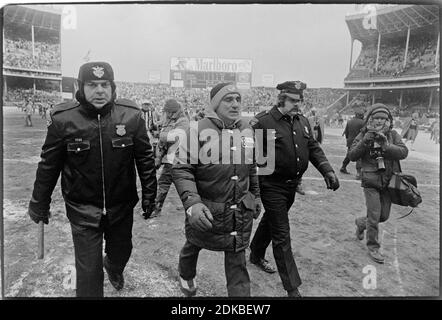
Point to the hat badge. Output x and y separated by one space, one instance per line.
297 85
98 71
121 129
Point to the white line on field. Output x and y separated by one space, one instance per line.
396 262
359 182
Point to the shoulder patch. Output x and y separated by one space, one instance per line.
253 121
127 103
64 106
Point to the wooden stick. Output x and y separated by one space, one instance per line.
40 252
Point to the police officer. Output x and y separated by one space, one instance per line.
295 146
95 144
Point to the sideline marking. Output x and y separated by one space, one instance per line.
396 262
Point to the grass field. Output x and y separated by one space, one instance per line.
330 260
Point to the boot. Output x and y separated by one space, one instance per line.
116 279
344 170
157 211
300 190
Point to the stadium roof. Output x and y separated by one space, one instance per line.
38 16
392 20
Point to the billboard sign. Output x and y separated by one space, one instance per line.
207 72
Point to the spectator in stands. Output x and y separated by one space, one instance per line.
410 130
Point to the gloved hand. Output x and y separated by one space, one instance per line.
331 180
148 208
257 208
381 138
368 138
36 217
200 217
157 163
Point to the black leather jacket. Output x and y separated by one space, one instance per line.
96 151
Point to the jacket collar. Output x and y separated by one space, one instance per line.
219 123
278 115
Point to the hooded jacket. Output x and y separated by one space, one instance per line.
393 151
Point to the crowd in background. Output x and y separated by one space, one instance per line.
18 53
420 58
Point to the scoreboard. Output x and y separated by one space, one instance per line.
207 72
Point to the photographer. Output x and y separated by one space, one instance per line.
380 148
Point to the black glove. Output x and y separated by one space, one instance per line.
368 138
200 217
148 208
331 180
257 208
381 138
39 217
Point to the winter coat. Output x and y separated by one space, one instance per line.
393 151
96 153
228 190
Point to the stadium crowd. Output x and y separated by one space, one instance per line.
420 59
18 53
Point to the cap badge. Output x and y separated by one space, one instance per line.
297 85
98 71
121 129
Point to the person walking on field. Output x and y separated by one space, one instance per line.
379 148
352 129
95 143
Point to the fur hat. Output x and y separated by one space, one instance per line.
94 71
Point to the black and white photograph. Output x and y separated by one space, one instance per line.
271 151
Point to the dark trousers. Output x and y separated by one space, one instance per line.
378 204
277 197
164 183
347 161
237 276
88 247
28 121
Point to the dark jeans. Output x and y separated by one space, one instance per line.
164 183
378 204
277 197
88 247
237 276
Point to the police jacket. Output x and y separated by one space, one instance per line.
96 152
294 143
227 189
392 151
352 129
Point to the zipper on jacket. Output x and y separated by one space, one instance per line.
102 165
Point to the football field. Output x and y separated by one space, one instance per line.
331 262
